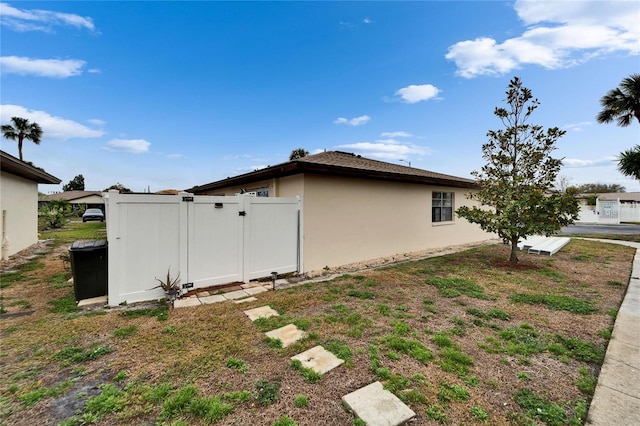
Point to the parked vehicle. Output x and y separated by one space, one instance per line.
93 214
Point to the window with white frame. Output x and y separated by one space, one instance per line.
442 207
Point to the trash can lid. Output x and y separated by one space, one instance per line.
88 245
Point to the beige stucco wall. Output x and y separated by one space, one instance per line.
19 204
351 220
347 220
91 199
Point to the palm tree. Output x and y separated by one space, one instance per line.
621 103
22 130
629 162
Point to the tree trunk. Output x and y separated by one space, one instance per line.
514 249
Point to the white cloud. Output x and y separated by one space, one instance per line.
41 20
134 146
576 162
396 134
52 127
416 93
358 121
367 21
57 68
386 149
559 34
577 127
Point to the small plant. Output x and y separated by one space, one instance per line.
436 412
267 392
171 287
309 375
123 332
111 400
120 376
301 401
273 343
586 382
285 421
555 302
479 414
524 376
447 392
361 294
178 403
237 364
540 408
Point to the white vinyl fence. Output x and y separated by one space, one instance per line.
610 212
206 240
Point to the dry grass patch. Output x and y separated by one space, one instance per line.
444 334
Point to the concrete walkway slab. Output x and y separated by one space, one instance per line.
238 294
261 312
377 406
255 290
216 298
319 360
288 335
616 400
248 299
186 302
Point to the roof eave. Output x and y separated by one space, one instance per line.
297 167
16 167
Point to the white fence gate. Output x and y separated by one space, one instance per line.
207 240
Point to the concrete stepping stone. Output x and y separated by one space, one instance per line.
100 300
255 290
238 294
188 301
261 312
377 406
318 359
248 299
215 298
288 335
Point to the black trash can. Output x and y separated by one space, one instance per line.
89 266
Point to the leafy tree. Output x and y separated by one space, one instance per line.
629 162
516 182
22 129
622 103
598 188
120 187
76 184
298 153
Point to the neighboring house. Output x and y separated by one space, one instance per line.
624 197
19 202
79 200
357 209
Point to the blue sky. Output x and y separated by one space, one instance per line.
160 95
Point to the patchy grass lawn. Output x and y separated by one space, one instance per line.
464 338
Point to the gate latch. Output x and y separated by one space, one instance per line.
242 213
187 199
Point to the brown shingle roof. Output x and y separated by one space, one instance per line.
72 195
337 163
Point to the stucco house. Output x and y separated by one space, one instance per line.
19 202
357 209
